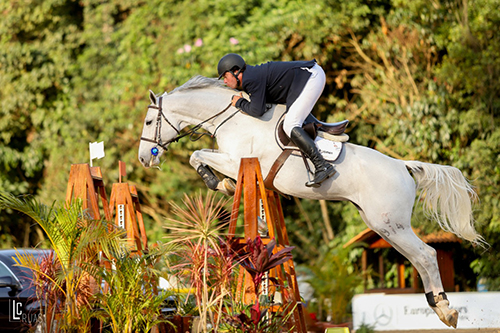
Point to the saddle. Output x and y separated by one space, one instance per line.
313 127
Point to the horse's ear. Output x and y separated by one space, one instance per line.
152 97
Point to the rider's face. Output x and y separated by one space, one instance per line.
230 80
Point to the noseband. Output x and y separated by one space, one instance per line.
157 139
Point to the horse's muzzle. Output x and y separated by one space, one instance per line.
149 161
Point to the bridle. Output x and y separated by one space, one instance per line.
159 142
157 139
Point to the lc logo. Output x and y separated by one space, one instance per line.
16 310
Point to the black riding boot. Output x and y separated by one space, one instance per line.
323 170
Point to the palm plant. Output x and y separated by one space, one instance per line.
77 241
45 272
129 299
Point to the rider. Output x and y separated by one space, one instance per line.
298 84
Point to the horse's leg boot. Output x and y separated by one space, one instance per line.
208 177
440 305
323 169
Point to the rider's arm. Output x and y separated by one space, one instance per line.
254 83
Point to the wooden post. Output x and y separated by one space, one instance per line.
364 264
251 185
125 201
86 183
381 271
401 273
122 171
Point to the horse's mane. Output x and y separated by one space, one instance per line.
199 82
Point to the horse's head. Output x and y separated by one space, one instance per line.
199 102
158 132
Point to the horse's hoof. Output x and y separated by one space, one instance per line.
227 187
452 318
445 314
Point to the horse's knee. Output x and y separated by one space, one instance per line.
194 160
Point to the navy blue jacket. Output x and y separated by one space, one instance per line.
273 82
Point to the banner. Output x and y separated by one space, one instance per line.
411 311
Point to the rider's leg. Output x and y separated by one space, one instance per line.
295 117
303 105
324 170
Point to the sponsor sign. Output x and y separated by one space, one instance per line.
411 311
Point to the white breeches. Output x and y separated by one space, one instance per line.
304 104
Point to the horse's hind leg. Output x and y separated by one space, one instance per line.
395 228
424 258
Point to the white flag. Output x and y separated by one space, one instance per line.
96 150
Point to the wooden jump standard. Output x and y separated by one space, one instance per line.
255 195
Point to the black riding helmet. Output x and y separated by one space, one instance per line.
229 63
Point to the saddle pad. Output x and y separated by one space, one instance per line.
329 149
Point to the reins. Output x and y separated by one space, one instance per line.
191 132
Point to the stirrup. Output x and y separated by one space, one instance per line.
321 175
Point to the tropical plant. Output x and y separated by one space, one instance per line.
129 299
198 231
253 318
211 262
257 317
77 241
45 272
365 328
261 259
334 281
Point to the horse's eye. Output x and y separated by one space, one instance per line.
149 122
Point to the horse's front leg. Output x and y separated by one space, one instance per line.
203 160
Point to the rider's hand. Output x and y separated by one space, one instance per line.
235 99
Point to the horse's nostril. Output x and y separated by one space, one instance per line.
141 159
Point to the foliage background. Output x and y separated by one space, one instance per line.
417 80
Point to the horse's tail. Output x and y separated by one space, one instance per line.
447 197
